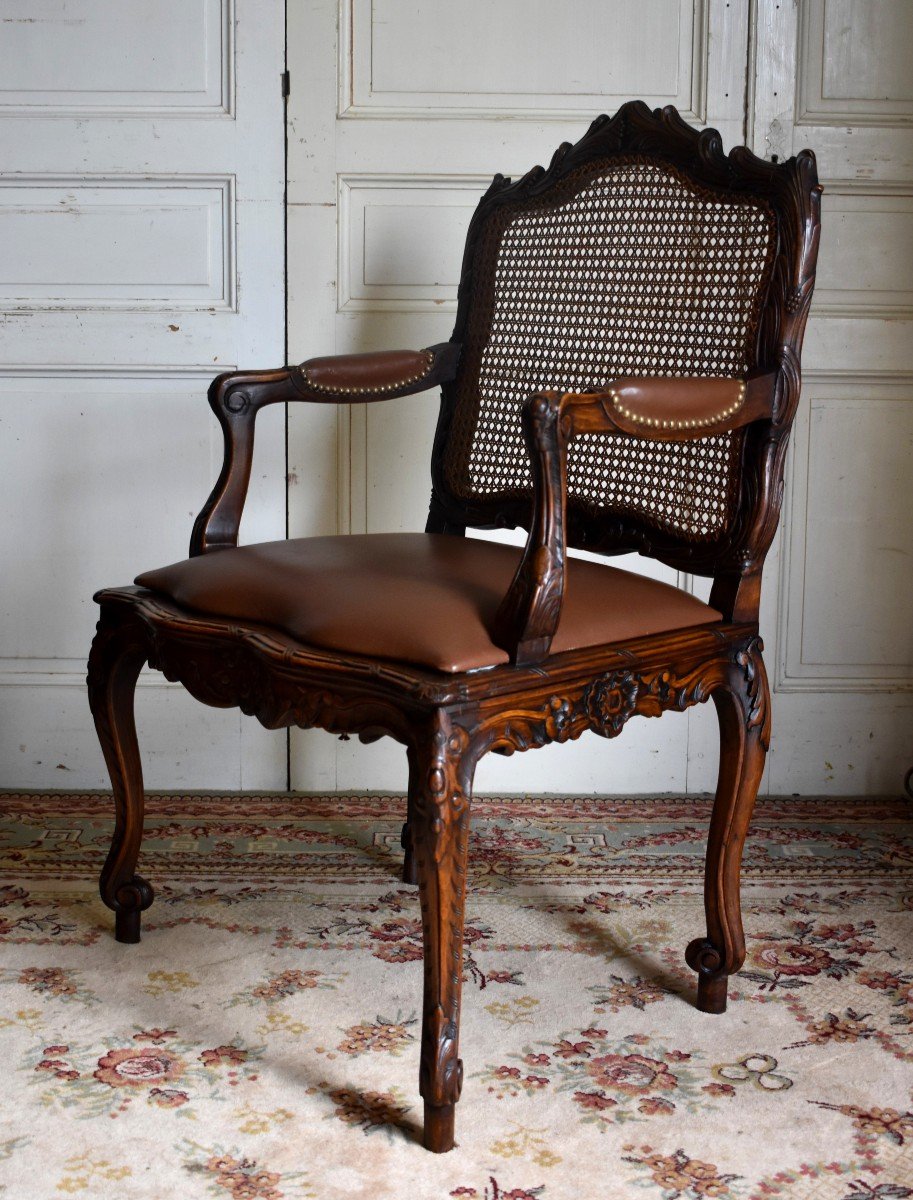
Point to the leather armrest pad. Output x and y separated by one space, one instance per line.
364 376
640 403
668 409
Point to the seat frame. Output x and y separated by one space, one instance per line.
447 722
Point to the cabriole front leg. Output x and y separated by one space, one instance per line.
118 653
442 769
743 708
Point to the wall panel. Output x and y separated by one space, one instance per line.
866 251
130 244
167 59
533 59
854 62
849 551
401 240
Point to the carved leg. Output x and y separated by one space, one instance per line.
118 653
410 870
442 771
743 707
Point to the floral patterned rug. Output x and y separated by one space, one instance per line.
261 1043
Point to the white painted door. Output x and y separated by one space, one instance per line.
400 113
141 235
836 75
141 252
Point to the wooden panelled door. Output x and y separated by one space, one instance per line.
396 125
835 75
401 111
141 225
141 216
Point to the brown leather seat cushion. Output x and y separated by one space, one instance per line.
421 598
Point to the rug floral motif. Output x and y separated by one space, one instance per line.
261 1042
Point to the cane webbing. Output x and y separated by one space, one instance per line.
624 267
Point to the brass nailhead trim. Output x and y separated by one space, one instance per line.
372 391
640 419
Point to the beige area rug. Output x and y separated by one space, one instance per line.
262 1040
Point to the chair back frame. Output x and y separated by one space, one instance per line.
790 192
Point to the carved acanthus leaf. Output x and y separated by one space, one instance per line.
440 1070
236 676
757 695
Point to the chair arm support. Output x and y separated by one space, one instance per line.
650 408
236 397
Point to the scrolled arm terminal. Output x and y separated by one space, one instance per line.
237 397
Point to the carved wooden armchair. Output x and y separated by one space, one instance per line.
623 374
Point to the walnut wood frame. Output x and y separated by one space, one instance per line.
448 722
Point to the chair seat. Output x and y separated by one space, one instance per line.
422 598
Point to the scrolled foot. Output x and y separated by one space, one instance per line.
440 1123
703 957
131 900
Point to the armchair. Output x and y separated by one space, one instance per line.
623 375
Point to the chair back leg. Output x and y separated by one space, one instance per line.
118 653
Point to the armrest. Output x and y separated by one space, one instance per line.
237 397
665 409
350 378
646 408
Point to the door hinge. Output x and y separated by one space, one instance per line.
286 83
